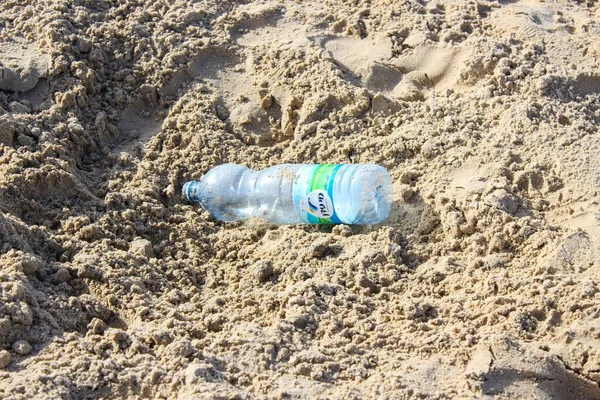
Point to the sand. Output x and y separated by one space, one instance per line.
483 283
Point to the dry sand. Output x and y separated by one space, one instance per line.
483 283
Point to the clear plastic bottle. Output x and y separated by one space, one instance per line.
296 193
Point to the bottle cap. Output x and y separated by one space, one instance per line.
186 190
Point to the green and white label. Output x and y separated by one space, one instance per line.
313 193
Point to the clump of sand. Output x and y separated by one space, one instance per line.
484 281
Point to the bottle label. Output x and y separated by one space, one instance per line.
313 193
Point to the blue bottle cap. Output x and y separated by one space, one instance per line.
186 190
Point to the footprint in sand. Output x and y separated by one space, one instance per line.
22 65
259 25
244 99
586 83
24 69
221 71
507 369
139 122
411 77
556 27
530 20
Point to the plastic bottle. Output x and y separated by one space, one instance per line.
296 193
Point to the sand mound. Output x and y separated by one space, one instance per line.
483 283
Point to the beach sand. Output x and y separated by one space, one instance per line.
484 282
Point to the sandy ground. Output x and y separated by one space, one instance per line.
483 283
